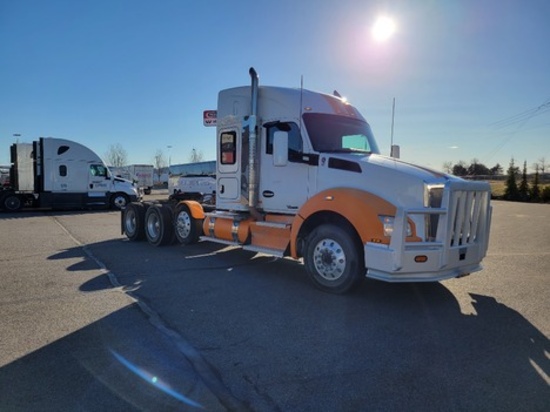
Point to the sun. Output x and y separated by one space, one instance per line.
383 28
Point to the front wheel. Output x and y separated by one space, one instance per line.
334 259
186 227
119 201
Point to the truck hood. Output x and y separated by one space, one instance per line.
398 182
125 186
399 166
121 180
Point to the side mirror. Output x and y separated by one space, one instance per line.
280 148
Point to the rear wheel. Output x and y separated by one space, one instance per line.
334 259
12 202
186 227
158 225
133 221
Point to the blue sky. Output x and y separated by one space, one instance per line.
471 78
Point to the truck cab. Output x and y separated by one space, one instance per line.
298 159
299 174
62 174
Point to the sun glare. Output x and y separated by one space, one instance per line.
383 28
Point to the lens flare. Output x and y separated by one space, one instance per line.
154 380
384 27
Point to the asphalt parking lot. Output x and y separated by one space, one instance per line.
232 330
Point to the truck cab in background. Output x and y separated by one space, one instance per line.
62 174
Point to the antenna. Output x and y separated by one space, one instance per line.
394 149
392 123
301 101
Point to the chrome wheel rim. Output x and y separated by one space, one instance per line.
183 224
329 259
153 226
130 222
120 202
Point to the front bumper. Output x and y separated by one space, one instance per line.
460 244
384 264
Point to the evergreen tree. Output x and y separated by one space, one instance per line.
535 189
511 191
524 186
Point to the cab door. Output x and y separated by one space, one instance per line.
98 181
285 181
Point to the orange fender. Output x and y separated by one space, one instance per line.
360 208
195 208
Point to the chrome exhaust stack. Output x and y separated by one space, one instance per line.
252 140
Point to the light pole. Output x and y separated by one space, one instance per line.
169 155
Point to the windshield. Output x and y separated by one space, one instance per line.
333 133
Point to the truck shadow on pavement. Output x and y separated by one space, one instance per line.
277 343
118 363
28 213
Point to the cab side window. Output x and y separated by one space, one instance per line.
228 148
295 146
98 170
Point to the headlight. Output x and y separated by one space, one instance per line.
387 223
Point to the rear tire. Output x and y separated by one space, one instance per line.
187 229
133 221
159 229
12 203
334 259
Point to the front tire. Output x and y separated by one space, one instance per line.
334 259
187 229
119 201
158 225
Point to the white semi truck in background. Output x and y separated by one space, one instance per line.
140 174
62 174
193 181
299 174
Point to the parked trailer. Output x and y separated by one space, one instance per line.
299 174
140 174
62 174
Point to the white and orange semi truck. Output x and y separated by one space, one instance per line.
299 174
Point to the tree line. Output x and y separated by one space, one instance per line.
475 168
117 156
531 188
